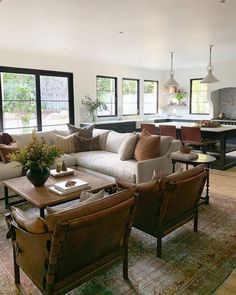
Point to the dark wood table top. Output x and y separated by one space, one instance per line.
42 197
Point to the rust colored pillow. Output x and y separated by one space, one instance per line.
6 150
148 146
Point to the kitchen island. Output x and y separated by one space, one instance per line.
225 135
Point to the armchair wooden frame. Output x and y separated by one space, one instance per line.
161 212
76 250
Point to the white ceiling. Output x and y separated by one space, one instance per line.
89 29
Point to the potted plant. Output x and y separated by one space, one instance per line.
180 96
92 105
36 158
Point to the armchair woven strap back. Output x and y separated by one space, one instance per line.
181 198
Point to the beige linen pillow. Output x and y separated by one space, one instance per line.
148 146
34 225
66 143
83 131
85 198
126 150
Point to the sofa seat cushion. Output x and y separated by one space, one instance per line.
107 163
10 170
69 160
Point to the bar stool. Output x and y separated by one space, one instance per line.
192 136
168 130
151 128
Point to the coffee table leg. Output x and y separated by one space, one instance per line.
6 196
42 212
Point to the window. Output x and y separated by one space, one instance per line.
150 96
130 90
107 91
35 99
199 103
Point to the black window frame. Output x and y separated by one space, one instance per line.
138 97
157 106
116 96
37 73
190 99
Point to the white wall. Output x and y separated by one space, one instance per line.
84 73
224 72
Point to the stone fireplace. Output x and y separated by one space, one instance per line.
224 101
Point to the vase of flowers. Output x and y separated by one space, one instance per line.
92 105
36 158
180 96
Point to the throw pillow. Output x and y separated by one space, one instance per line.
6 150
66 143
126 150
85 198
148 146
83 144
83 131
5 138
31 224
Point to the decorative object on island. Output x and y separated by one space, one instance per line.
210 78
180 96
36 158
208 124
92 105
171 83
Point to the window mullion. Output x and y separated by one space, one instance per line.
38 102
1 113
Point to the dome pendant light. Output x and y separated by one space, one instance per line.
171 82
210 78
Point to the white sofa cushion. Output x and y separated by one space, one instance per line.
68 160
127 147
10 170
25 138
103 137
107 163
165 144
114 141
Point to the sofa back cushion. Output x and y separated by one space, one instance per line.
103 137
114 141
25 138
165 144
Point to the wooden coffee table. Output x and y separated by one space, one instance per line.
41 197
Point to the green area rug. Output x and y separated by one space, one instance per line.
192 263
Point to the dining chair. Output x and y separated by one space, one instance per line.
151 128
168 130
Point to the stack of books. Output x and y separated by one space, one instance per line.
70 186
182 156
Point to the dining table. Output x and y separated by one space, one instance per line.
225 137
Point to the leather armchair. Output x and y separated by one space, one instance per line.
164 205
74 244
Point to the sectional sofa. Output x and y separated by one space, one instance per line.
103 163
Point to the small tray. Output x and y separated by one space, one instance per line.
69 171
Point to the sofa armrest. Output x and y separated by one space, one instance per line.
163 164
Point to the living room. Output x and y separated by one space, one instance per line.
130 44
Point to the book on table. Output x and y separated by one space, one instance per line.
182 156
70 186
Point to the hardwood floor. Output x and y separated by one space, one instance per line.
223 182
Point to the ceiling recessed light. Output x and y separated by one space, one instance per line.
121 32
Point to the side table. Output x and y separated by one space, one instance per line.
202 159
